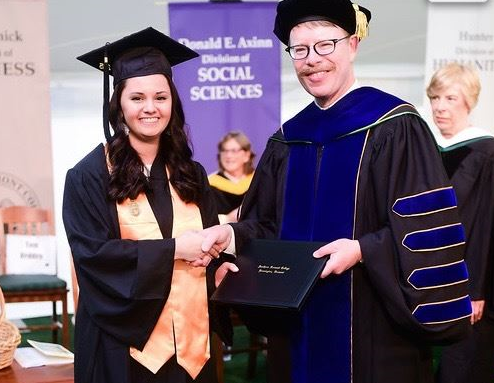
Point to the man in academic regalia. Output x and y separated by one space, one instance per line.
359 170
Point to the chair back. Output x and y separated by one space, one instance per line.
23 220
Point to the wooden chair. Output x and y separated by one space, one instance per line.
256 344
36 287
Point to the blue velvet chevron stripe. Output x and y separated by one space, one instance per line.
319 205
441 312
435 238
438 276
426 203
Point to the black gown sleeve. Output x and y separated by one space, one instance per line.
261 210
485 267
124 284
402 161
119 280
219 315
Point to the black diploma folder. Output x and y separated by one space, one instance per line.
272 274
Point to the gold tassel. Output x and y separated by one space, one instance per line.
362 25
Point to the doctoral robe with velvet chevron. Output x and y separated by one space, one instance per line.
124 284
368 169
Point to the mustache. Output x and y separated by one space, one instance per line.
309 71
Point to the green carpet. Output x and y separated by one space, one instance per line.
235 369
43 336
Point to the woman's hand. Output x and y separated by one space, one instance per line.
188 247
202 262
232 216
477 311
222 270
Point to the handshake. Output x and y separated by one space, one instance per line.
198 248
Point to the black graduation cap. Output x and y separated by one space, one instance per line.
142 53
351 17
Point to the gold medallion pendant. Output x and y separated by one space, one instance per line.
134 208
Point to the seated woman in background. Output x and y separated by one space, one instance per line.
236 169
468 157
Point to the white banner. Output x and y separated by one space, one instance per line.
463 31
25 138
31 254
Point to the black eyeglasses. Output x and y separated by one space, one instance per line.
322 48
233 151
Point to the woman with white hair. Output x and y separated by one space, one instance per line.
468 157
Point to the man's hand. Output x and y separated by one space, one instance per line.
222 270
477 311
216 239
344 254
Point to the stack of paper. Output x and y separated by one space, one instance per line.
42 354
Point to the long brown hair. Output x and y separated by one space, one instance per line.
127 179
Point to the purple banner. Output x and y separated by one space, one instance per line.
235 83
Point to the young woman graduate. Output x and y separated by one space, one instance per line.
133 210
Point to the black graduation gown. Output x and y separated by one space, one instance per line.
226 201
470 166
388 345
124 284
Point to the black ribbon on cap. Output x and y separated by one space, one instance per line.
106 96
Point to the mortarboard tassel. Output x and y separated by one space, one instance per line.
106 96
362 25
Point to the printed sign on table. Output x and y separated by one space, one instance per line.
31 254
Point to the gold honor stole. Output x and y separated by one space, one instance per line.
183 326
227 185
